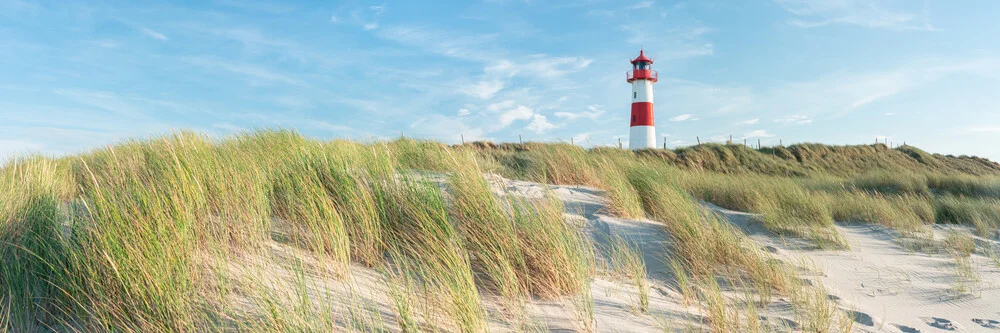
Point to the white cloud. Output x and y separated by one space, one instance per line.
595 112
334 19
463 112
506 104
757 134
794 119
683 117
539 124
750 122
641 5
370 26
520 112
484 89
890 113
153 34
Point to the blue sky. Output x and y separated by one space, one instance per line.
77 75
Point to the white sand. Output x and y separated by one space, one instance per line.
898 290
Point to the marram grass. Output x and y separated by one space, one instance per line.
188 233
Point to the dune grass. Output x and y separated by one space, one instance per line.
902 212
188 233
784 206
983 214
703 241
627 262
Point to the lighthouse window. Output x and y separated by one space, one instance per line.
635 94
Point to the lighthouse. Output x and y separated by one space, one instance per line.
642 133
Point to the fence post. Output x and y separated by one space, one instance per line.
519 139
571 141
745 142
699 139
620 143
463 139
758 144
730 139
664 143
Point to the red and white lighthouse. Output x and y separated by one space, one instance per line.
642 133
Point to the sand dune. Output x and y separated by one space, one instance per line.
886 287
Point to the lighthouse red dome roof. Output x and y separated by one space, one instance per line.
642 57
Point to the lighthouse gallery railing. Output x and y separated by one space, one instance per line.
647 74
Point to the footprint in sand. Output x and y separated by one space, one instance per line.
941 323
906 329
861 318
987 323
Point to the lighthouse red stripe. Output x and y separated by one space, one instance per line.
642 114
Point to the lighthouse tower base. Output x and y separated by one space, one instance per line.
641 137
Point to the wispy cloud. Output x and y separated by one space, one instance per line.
750 121
257 74
795 119
539 65
11 148
153 34
266 7
670 42
594 112
104 100
983 129
484 89
463 112
904 15
331 127
757 134
683 117
641 5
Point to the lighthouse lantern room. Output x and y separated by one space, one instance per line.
642 133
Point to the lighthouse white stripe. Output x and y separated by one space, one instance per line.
642 91
640 137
